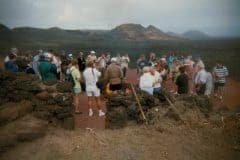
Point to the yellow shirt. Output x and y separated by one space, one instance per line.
76 76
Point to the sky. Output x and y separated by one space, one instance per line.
215 17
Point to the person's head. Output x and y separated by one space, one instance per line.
74 62
102 55
163 60
146 69
152 70
114 60
201 66
51 51
70 56
182 69
12 56
14 51
189 57
152 55
47 56
176 62
92 53
219 63
80 54
142 57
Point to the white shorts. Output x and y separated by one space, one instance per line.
92 91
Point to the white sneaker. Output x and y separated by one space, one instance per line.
101 113
90 112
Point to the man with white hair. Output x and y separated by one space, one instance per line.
147 81
114 75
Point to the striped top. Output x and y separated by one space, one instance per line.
220 73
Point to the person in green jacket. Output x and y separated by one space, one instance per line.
48 71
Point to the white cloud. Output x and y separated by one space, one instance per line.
175 15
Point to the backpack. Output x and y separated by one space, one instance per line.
69 78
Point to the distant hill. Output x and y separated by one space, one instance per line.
173 34
128 35
195 35
138 32
4 28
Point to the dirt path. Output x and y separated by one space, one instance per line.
96 122
84 121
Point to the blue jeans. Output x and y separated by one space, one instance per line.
156 90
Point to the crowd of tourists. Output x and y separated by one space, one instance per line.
181 75
176 74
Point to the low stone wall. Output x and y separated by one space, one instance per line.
123 108
51 101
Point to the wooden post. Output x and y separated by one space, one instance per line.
139 104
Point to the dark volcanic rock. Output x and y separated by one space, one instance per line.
117 118
12 111
26 129
63 87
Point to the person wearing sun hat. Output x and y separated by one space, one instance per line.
92 57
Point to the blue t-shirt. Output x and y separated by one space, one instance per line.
11 66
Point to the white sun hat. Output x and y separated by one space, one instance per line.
92 52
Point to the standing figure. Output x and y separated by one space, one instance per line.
114 76
47 70
91 76
152 59
81 61
141 62
188 63
76 77
102 63
182 81
10 64
220 72
209 82
200 80
124 64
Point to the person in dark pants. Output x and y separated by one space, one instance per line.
81 62
182 81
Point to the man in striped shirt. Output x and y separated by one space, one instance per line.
220 72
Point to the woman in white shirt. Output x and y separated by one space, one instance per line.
147 81
91 75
